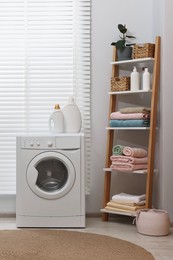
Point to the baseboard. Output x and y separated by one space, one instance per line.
88 215
7 215
93 215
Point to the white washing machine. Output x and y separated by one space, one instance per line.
50 181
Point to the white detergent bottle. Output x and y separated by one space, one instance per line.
56 120
134 80
146 80
72 117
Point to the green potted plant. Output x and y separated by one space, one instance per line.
124 49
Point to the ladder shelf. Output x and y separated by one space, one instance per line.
151 130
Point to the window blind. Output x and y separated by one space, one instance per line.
44 59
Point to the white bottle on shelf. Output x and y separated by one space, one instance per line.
134 80
72 117
146 80
56 120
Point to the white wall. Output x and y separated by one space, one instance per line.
105 17
166 180
145 20
145 23
7 204
162 25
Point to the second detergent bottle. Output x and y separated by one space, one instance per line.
72 117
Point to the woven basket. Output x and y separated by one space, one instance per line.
120 83
143 50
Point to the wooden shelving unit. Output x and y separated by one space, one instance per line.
128 64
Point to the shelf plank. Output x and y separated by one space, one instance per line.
119 212
127 92
138 171
127 128
132 61
129 64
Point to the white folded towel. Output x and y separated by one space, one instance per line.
124 197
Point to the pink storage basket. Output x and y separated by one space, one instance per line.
153 222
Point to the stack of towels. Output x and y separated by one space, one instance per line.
130 117
128 203
128 159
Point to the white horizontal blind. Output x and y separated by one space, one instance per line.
82 80
12 88
44 58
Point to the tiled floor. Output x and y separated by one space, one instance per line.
160 247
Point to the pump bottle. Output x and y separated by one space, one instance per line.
146 80
134 80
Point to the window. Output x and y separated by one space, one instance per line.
44 58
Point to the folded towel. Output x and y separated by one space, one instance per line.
129 123
120 210
117 149
128 197
119 115
121 206
122 202
135 110
128 167
134 152
128 159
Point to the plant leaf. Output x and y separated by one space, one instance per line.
128 36
120 44
122 28
130 44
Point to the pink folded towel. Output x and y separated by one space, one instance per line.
128 159
128 167
135 152
119 115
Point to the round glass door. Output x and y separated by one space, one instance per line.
50 175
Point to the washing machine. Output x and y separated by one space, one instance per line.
50 188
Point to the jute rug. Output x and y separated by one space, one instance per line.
63 245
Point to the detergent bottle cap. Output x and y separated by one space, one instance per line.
57 106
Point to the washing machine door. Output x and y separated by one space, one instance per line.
50 175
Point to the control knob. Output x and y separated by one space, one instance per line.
31 144
50 144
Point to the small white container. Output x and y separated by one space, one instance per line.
134 80
56 120
146 80
72 117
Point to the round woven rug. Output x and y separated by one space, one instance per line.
63 245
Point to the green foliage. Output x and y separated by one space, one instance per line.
123 42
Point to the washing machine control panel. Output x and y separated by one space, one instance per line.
38 143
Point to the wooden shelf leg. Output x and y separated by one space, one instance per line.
107 182
152 137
